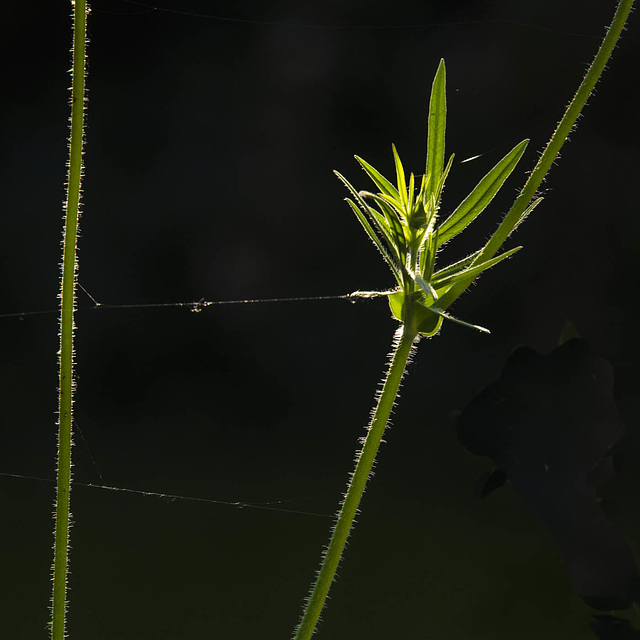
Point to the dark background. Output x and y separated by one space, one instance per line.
210 146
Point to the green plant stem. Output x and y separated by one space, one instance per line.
67 304
331 558
513 217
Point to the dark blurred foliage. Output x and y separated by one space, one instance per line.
550 424
209 158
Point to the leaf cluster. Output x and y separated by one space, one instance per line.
402 220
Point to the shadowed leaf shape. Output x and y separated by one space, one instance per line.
489 482
549 423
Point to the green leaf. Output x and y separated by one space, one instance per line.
482 195
411 195
426 321
454 268
429 253
526 212
383 227
460 283
502 233
402 183
443 177
472 272
457 287
396 229
422 197
376 240
396 304
448 316
389 224
426 287
393 221
390 255
397 206
436 127
380 181
378 220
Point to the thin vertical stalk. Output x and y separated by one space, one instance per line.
562 131
331 557
67 305
551 151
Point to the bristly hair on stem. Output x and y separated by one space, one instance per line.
402 222
67 307
403 346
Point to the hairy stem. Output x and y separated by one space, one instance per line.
67 304
571 115
331 558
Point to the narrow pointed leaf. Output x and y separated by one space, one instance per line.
473 271
428 255
482 194
443 177
389 224
379 221
402 183
396 229
501 234
389 254
454 268
376 240
448 316
430 298
436 127
458 285
492 246
432 209
380 181
427 287
411 196
526 212
422 197
461 283
397 206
